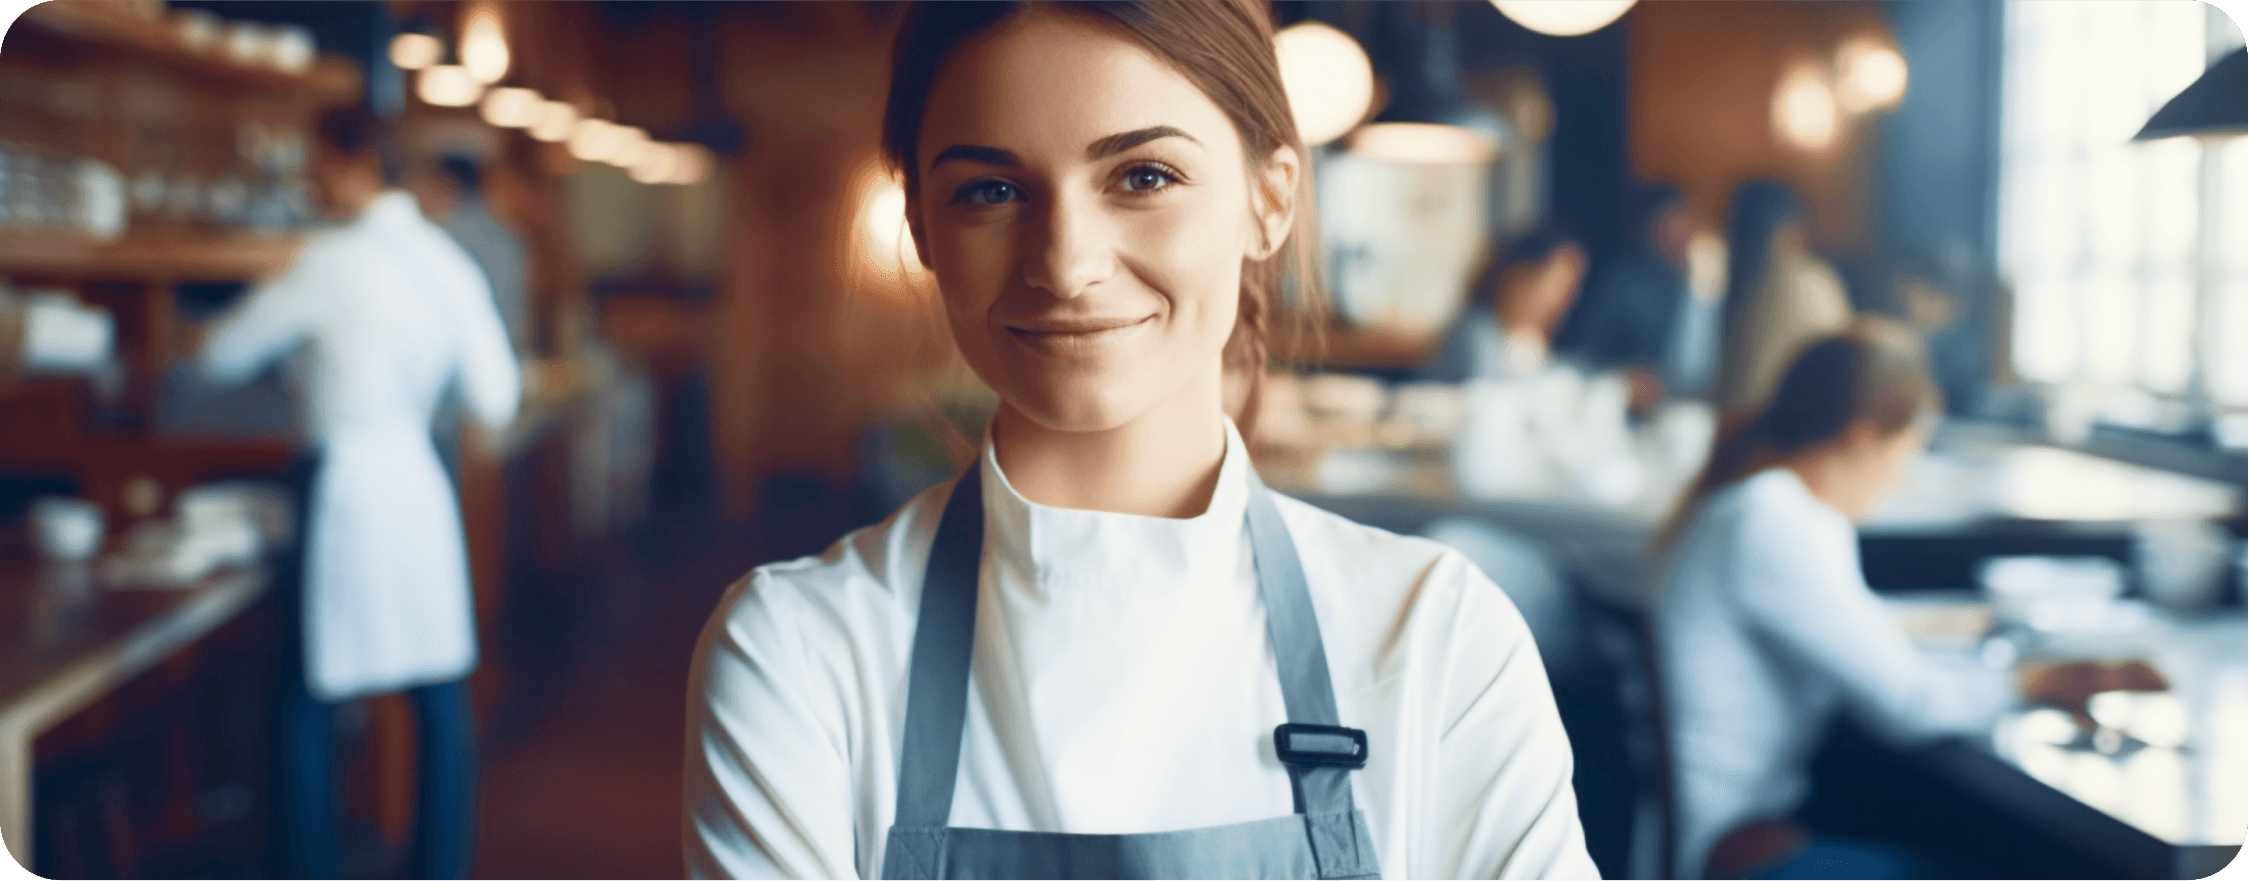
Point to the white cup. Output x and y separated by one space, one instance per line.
2181 563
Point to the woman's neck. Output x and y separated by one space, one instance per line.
1163 464
1833 478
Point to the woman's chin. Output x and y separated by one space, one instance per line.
1078 408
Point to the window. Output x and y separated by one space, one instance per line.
2129 260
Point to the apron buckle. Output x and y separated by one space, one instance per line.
1325 746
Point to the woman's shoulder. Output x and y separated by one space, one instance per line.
1773 498
1388 579
863 581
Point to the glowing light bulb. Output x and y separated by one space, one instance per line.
484 43
1873 75
1329 80
1563 18
412 51
553 121
631 146
656 164
447 85
511 108
593 140
883 223
1803 109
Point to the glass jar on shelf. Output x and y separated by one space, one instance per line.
151 147
103 207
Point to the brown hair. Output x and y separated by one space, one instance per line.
1223 48
1875 372
355 134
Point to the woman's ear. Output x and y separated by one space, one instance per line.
1274 202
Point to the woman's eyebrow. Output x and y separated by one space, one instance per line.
972 153
1100 149
1118 143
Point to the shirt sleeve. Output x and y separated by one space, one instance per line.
1507 802
274 317
768 784
490 380
1801 586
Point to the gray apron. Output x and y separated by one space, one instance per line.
1326 837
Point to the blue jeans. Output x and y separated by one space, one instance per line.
305 753
1832 857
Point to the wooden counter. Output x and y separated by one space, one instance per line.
66 640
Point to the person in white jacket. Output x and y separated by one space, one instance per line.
1108 650
1765 626
389 314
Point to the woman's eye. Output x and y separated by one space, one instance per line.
1148 178
989 192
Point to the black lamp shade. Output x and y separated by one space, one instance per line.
2216 104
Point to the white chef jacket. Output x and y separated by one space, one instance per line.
390 311
1765 624
1123 682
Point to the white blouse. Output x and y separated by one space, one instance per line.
1123 682
1765 625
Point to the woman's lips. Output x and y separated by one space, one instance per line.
1074 338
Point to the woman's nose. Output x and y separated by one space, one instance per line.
1073 248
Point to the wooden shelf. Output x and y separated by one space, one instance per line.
170 256
331 80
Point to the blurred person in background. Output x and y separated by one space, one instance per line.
1765 625
455 198
1778 295
1071 661
1507 331
1641 312
389 314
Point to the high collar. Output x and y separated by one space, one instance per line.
1055 547
392 207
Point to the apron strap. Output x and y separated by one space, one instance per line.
936 703
1305 686
1322 793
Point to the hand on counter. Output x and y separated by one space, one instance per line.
2070 686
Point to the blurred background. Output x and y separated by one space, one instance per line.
1544 226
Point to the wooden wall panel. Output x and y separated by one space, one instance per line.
808 346
1702 79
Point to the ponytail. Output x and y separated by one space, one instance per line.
1739 451
1875 372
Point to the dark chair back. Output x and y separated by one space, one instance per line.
1622 639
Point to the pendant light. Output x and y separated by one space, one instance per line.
2216 105
1563 18
1430 119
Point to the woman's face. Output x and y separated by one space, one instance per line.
1086 211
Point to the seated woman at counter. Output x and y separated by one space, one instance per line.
1779 295
1507 331
1652 309
1765 624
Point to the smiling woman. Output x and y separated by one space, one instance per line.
1107 650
